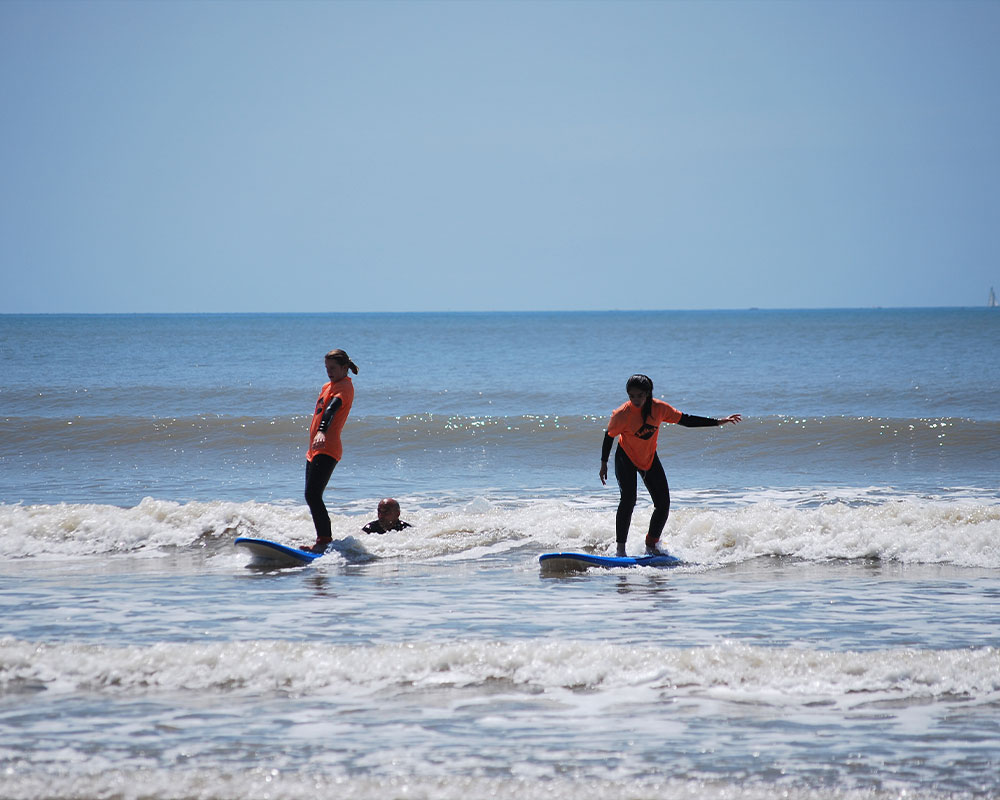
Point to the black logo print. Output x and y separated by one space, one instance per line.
646 431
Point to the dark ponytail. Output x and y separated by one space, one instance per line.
343 359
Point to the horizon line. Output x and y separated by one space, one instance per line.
479 311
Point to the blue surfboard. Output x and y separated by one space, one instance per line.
570 562
272 555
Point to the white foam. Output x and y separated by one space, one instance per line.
908 531
67 530
763 675
267 783
872 525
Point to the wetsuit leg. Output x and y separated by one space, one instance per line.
627 477
318 472
655 480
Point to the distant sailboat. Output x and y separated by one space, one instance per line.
992 302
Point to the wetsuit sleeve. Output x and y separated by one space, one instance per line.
606 446
331 409
692 421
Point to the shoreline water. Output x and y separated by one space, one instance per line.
833 634
817 679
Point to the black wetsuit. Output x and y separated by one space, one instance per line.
376 527
654 479
318 472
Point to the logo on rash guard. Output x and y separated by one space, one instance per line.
646 431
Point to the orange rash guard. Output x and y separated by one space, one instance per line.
344 389
638 440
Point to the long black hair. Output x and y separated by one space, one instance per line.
642 383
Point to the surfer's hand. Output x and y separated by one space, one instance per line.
604 472
732 419
319 440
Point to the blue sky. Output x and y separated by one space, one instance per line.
420 156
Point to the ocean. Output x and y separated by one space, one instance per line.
833 633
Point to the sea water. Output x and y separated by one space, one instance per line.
834 633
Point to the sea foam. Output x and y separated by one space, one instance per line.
910 530
762 675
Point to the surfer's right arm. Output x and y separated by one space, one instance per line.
320 438
605 453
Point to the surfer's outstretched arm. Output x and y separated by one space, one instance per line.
694 421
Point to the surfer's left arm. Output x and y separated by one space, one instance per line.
694 421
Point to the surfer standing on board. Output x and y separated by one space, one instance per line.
325 449
637 426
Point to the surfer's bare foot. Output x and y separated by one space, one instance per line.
319 547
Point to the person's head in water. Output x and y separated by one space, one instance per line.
640 392
337 365
388 513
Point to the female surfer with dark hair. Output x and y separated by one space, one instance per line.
325 448
637 426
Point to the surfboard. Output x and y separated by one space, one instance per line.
272 555
577 562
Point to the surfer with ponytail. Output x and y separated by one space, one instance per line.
636 424
325 448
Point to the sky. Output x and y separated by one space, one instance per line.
171 156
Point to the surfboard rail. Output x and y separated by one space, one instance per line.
266 554
578 562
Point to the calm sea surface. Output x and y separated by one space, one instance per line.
834 634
